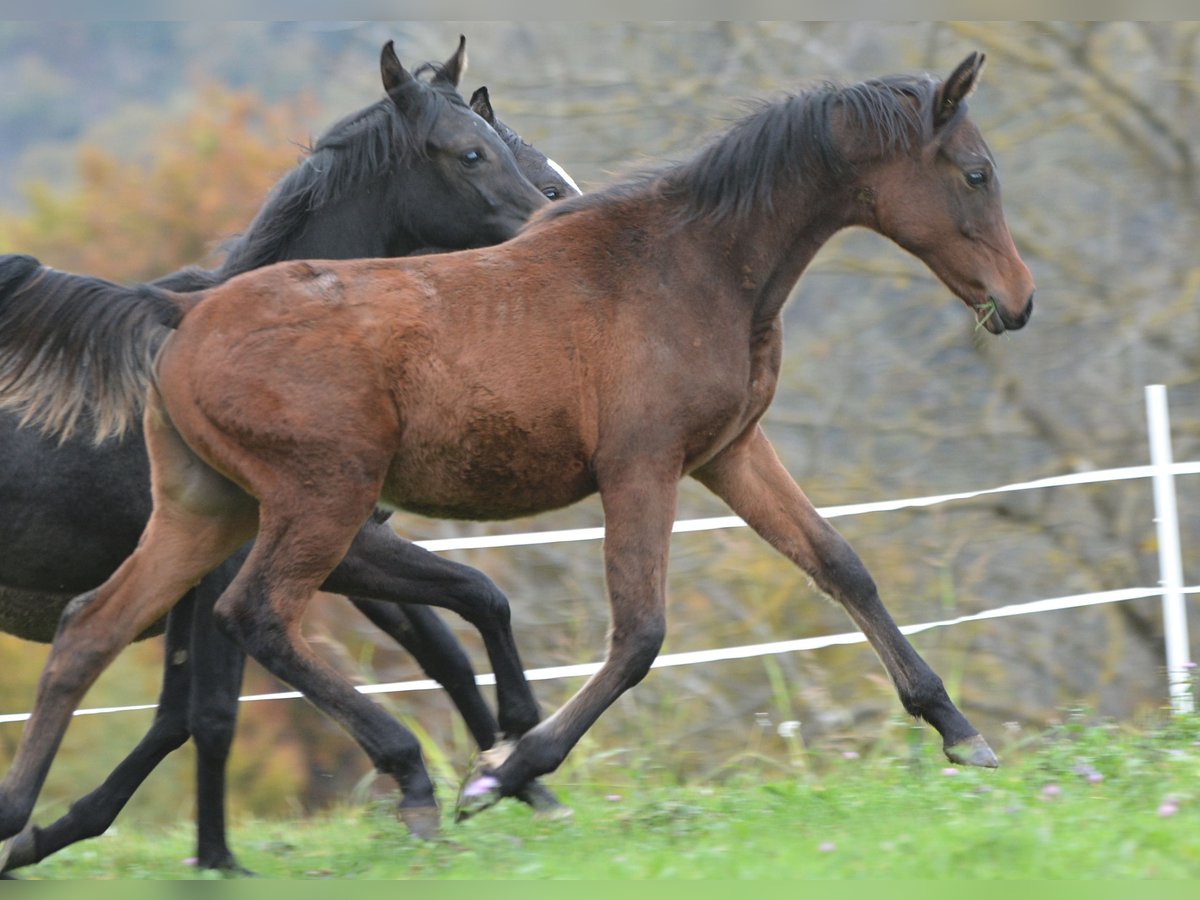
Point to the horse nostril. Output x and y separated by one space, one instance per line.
1028 311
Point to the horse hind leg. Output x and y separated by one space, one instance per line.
302 537
212 709
403 579
419 631
91 815
199 519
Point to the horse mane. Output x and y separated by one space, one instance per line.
359 147
785 139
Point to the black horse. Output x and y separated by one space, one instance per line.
415 171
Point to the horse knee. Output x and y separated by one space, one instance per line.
212 729
638 648
169 730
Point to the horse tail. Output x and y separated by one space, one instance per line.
77 351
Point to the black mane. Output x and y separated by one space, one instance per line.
790 138
361 146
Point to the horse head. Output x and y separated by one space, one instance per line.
941 202
465 189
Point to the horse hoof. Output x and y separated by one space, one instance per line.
477 794
543 802
226 865
481 789
422 822
973 751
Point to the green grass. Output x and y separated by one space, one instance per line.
1078 802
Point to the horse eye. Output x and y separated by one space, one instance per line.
552 193
472 158
976 178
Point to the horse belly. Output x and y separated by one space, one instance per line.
69 513
495 469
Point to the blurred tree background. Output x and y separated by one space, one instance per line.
128 150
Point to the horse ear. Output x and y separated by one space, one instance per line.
957 88
457 64
394 74
481 105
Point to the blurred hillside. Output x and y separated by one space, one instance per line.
117 141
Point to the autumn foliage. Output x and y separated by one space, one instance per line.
198 180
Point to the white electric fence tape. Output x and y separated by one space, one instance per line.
753 650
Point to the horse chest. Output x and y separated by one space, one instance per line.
728 403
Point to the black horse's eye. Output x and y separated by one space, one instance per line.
472 158
552 193
976 177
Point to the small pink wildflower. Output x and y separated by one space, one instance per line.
949 771
827 847
613 798
849 754
1168 807
1051 791
191 861
1089 773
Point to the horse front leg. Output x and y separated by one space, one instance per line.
302 537
639 510
751 479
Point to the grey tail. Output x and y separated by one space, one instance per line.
76 352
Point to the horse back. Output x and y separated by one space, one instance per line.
408 368
494 381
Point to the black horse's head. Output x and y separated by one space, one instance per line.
464 188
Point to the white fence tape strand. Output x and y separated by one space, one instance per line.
534 538
696 657
776 647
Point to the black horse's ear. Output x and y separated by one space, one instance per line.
457 64
957 88
394 74
481 105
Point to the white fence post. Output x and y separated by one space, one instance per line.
1166 520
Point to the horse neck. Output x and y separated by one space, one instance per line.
364 223
767 250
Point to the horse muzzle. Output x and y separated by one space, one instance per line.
997 319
